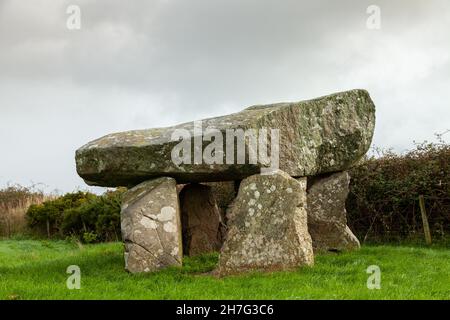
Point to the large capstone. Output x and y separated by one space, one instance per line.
267 226
317 136
327 216
151 227
201 220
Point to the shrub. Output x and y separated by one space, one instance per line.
383 201
84 215
89 237
48 216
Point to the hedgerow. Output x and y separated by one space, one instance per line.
383 203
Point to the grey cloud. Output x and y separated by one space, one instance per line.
153 63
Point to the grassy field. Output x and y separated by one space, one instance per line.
32 269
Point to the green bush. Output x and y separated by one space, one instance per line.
383 202
48 216
90 237
84 215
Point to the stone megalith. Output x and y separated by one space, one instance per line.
201 220
267 222
317 136
151 227
267 226
327 216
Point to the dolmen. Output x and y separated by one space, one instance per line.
266 187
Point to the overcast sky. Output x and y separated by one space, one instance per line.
140 64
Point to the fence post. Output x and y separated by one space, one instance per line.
48 229
426 227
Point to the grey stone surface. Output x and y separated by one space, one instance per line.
327 216
224 193
267 226
201 220
322 135
151 226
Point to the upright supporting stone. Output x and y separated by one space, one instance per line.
267 226
327 217
224 193
201 221
151 226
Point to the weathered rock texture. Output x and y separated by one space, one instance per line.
327 217
326 134
151 227
267 226
224 192
201 220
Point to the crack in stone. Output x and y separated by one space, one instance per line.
151 218
146 250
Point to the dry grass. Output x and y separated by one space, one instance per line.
14 203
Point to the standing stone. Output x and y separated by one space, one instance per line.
267 226
224 192
151 227
201 221
327 217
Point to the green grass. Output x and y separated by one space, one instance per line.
31 269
